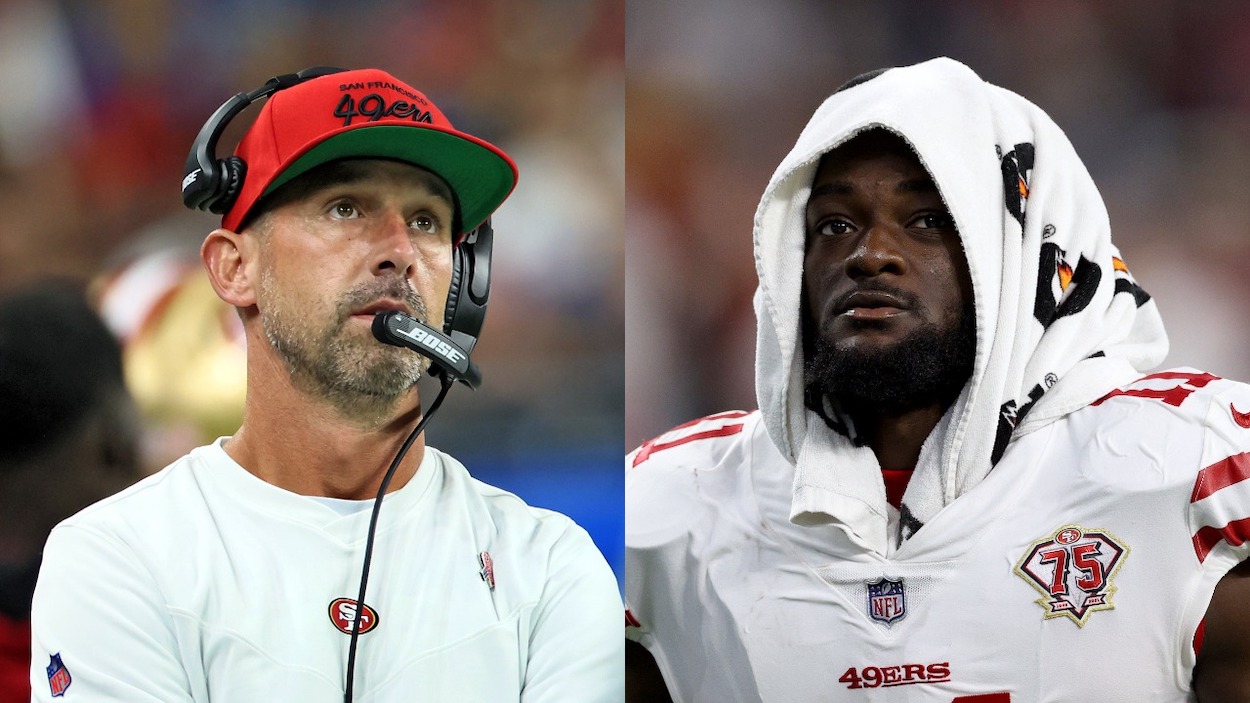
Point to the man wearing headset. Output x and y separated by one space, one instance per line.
235 573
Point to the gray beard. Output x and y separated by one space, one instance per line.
359 376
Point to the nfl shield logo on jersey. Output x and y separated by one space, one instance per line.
58 676
1073 569
886 600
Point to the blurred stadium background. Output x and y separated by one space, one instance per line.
101 99
1153 94
100 103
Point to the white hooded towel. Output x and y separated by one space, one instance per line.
1060 321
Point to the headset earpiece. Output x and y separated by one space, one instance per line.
470 287
230 175
213 184
458 265
466 300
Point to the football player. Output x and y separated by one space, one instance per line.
962 483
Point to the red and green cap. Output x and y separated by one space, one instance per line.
367 113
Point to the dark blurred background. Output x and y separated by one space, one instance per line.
1154 96
100 101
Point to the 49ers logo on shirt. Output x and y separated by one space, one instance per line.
1073 569
897 675
343 615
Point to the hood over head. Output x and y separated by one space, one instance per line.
1060 321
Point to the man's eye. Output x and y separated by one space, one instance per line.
344 210
834 226
425 223
935 221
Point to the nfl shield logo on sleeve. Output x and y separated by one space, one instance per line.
887 601
58 676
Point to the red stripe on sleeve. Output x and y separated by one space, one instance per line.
718 416
1197 380
1235 533
651 447
1221 474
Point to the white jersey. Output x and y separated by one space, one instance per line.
204 583
1078 570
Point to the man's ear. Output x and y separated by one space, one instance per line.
228 259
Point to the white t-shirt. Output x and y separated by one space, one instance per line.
1079 570
204 583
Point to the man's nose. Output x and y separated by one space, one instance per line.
395 250
876 252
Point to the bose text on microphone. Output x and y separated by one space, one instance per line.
394 327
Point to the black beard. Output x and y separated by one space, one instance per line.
928 367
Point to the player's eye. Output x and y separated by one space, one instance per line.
834 226
934 220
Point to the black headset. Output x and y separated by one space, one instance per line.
212 184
